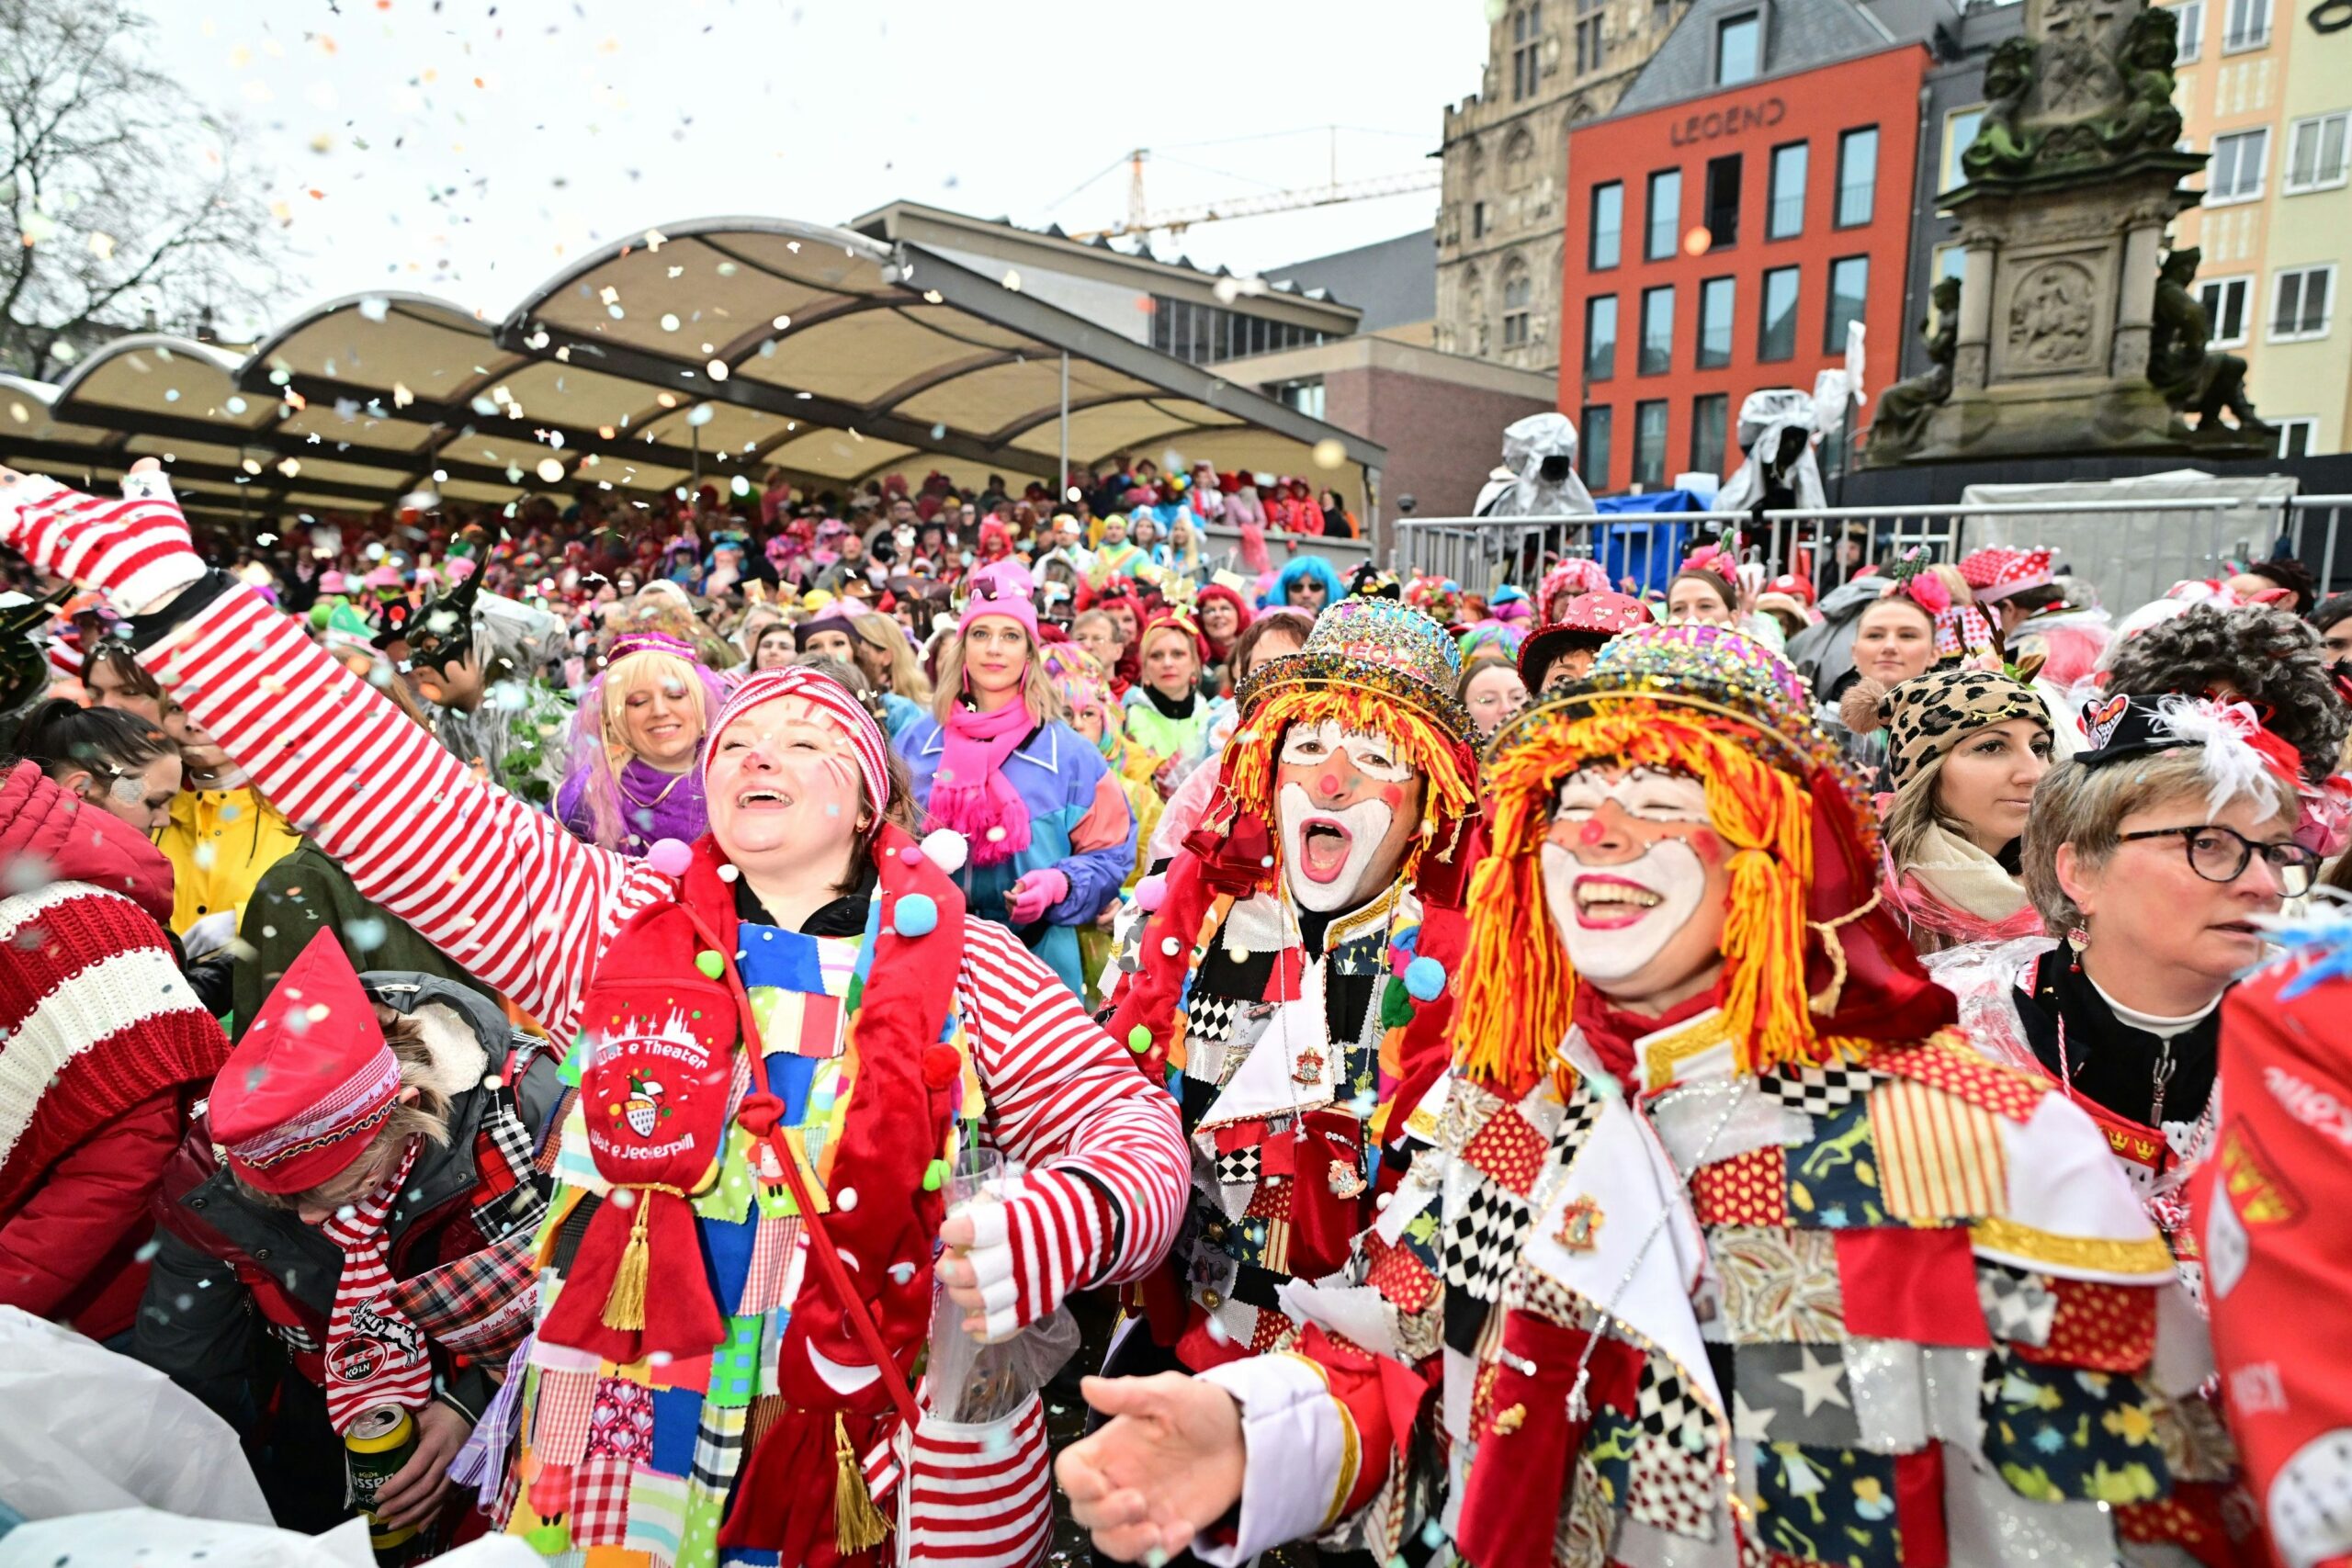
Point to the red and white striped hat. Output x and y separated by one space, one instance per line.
311 1082
830 697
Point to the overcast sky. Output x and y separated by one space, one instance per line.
472 149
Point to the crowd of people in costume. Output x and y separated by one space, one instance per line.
1798 1069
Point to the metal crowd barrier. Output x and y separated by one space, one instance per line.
2155 543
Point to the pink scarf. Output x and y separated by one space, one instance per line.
375 1355
970 795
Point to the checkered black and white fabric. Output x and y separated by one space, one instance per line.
1241 1167
1817 1091
1482 1239
2018 1307
1210 1017
1665 1408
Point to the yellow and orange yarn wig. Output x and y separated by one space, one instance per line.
1710 703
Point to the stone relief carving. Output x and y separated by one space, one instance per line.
2052 317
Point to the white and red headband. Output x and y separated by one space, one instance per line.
830 697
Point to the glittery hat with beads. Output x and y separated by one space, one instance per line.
1815 968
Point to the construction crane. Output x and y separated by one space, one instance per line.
1141 220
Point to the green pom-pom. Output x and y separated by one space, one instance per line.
1139 1039
1396 1005
934 1176
710 963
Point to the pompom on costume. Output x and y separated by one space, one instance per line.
1898 1250
1300 1039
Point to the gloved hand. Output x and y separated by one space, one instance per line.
136 551
1011 1262
1028 899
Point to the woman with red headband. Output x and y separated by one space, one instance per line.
800 995
1167 714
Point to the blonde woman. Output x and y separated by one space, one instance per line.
886 659
636 780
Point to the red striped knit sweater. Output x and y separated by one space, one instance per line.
99 1038
506 892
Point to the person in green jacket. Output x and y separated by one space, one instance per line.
1167 714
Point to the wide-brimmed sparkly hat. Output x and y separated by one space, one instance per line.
1377 646
1694 665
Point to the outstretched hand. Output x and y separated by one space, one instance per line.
137 551
1167 1466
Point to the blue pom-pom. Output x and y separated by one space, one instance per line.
915 915
1425 980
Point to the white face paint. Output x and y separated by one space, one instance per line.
1336 804
1615 914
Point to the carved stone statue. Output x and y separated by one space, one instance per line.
2148 119
2192 377
1902 409
2002 147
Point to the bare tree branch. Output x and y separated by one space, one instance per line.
122 200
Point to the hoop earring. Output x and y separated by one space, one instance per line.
2077 938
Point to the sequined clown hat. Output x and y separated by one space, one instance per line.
1374 665
1814 969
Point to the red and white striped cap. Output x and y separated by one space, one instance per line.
826 694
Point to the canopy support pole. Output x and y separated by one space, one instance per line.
1063 498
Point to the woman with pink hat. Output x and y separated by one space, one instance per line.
1049 832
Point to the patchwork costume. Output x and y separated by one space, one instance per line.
1291 1034
674 1355
1788 1275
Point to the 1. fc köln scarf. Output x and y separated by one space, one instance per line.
375 1356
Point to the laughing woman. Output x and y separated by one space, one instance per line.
640 728
802 992
1048 835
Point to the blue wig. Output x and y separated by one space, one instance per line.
1305 566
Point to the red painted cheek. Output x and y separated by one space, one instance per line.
1395 795
1709 847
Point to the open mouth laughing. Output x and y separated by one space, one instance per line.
1323 845
763 799
1612 903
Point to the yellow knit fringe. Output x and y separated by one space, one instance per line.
858 1525
1520 991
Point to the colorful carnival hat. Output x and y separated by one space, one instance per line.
1589 620
1374 665
313 1078
2013 573
1815 969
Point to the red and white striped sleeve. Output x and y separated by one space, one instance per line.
1062 1097
501 888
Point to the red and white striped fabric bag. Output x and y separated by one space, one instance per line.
978 1492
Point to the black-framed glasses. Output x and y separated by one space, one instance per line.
2220 854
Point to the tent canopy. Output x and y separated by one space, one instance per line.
701 349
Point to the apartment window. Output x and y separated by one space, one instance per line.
1723 201
2225 301
1518 292
2300 301
1776 322
1608 241
1710 421
2191 31
2315 153
1716 299
1592 444
1739 49
1657 356
1649 444
2295 436
1784 217
1526 48
1849 292
1592 44
2235 171
1204 334
2249 26
1664 215
1477 219
1960 130
1857 176
1305 395
1601 338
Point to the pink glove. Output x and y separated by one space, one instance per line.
1030 1250
1028 899
136 551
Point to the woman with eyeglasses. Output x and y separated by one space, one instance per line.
2153 857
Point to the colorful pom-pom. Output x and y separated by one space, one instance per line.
1151 892
710 963
670 856
934 1176
1425 978
946 848
915 915
1139 1039
728 874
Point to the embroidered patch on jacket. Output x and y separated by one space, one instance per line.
1828 1505
2109 1327
1482 1239
1833 1179
1816 1092
2061 1434
2019 1306
1750 1188
1941 1157
1987 1085
1509 1149
1778 1285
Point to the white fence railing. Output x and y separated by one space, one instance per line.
2151 544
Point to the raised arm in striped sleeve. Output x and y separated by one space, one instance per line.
1064 1097
501 889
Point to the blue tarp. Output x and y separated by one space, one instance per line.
1646 552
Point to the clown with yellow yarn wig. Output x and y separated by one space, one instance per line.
1721 1243
1292 968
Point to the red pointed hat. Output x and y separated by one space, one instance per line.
313 1080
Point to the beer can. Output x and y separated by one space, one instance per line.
377 1445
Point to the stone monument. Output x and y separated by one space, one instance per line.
2073 334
